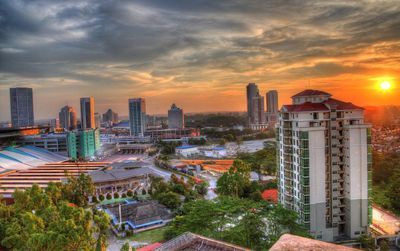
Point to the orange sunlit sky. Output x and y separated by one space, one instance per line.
198 54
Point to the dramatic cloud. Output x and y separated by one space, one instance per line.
199 54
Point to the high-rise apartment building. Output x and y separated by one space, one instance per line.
110 117
272 106
21 105
137 116
97 120
67 117
325 165
87 113
255 107
176 118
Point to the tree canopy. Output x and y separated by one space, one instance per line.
47 220
244 222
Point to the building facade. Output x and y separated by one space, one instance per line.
21 105
255 108
110 117
87 113
176 118
272 106
137 116
97 120
67 117
325 165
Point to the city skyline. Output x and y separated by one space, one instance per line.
204 51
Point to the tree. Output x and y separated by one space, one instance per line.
101 197
44 220
125 247
78 189
202 188
239 221
116 195
169 199
235 180
108 196
393 191
129 193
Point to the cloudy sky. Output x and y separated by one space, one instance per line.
199 54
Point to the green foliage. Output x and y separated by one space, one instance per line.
215 120
101 197
144 192
202 188
197 142
78 189
116 195
263 161
239 221
168 148
108 196
235 180
46 220
125 247
169 199
367 242
124 195
129 193
386 180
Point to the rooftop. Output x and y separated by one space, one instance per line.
189 241
118 174
186 147
323 106
289 242
310 92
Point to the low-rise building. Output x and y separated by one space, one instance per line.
187 150
214 152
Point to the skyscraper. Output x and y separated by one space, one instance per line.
67 117
325 165
255 108
258 111
110 117
252 92
137 116
21 105
97 120
176 118
272 106
87 113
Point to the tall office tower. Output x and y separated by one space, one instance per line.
97 119
258 111
67 117
110 117
252 92
21 104
176 118
87 113
272 106
137 116
325 165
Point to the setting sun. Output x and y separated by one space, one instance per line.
385 85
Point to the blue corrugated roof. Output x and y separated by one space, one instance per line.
15 150
185 147
9 158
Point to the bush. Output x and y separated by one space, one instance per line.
144 191
94 199
116 195
135 193
124 195
129 193
101 197
108 196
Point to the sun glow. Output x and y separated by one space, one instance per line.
385 85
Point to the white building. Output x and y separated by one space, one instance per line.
215 152
187 150
325 165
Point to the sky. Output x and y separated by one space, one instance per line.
197 54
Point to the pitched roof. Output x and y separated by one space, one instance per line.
289 242
189 241
310 92
308 106
341 105
270 195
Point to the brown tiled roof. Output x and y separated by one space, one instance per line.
341 105
308 106
289 242
310 92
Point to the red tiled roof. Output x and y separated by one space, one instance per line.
150 247
308 106
270 195
340 105
310 92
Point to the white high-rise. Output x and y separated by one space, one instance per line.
325 165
